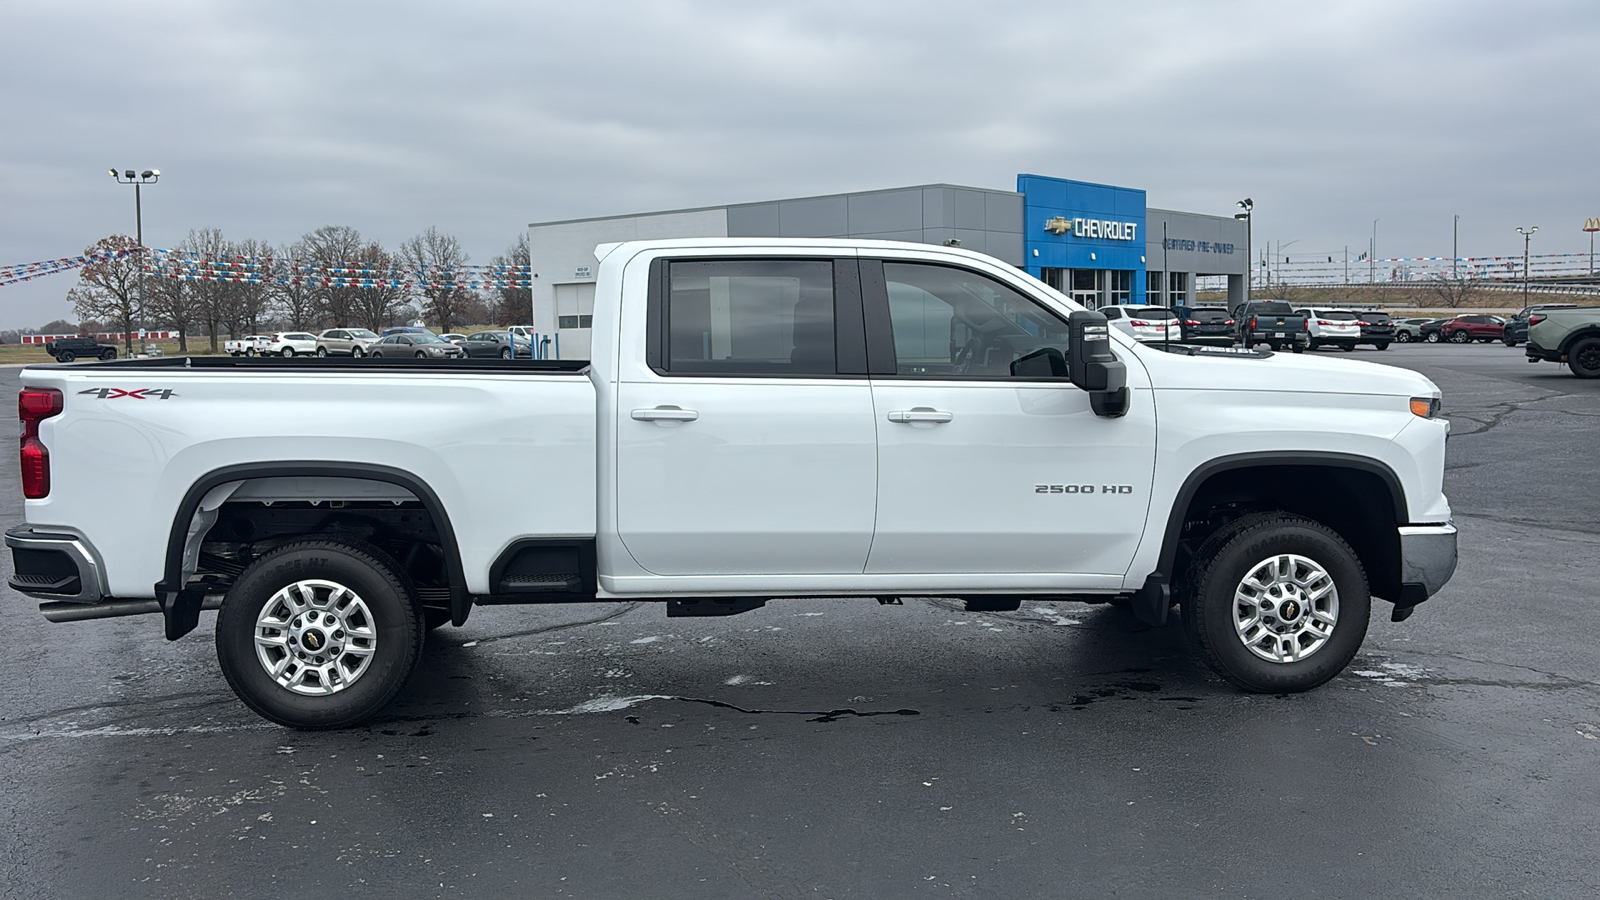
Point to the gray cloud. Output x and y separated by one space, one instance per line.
271 119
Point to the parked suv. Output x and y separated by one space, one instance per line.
1208 325
68 349
291 343
1377 328
1465 329
1408 331
1334 327
1516 330
1144 323
345 342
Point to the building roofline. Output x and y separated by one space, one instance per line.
695 209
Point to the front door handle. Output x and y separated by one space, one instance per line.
920 414
665 414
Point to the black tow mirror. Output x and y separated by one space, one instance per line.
1093 367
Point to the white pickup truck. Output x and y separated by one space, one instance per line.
761 418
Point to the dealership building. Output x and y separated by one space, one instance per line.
1097 243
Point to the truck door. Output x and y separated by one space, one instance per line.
982 472
750 447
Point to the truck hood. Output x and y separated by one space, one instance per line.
1281 372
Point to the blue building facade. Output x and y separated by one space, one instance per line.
1085 239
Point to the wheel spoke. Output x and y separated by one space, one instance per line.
1282 579
341 619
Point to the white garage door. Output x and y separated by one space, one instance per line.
574 318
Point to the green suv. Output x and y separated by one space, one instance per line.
1571 336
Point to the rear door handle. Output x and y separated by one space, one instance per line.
665 414
920 414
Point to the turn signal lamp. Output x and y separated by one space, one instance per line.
34 405
1426 407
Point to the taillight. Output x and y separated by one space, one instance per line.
1252 323
1139 324
1536 318
34 405
1365 324
1228 323
1192 322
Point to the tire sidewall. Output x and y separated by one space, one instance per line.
1210 612
1587 344
380 584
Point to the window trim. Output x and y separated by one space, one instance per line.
850 346
880 325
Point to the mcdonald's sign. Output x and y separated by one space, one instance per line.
1591 224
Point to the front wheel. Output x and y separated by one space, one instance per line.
250 352
1584 358
1403 337
358 353
319 634
505 353
287 352
420 355
1278 603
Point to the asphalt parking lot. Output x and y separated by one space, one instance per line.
834 749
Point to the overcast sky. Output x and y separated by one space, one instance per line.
269 119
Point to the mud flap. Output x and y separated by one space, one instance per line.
1151 603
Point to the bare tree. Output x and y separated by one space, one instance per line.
329 248
436 260
378 303
252 295
108 288
174 303
296 294
215 305
511 305
1456 291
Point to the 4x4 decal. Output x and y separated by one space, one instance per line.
137 394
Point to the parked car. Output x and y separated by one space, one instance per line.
1208 325
249 345
454 338
1516 330
1465 329
1332 327
493 345
1407 331
1569 335
68 349
291 343
1271 322
1144 323
426 345
345 342
1377 328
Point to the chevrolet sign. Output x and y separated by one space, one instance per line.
1104 229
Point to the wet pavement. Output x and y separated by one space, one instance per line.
843 749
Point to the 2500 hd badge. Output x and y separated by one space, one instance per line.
1082 489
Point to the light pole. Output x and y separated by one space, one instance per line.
1372 255
1455 247
1527 236
138 180
1247 205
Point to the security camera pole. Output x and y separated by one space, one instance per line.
148 176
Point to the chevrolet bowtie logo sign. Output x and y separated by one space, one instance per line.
1058 225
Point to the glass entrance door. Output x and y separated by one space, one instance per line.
1086 288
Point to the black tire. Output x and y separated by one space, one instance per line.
250 352
1508 342
358 353
322 351
1220 567
420 355
1382 345
1403 337
1583 358
505 353
391 610
1313 344
66 356
108 354
1297 347
1348 348
1460 337
286 352
1433 337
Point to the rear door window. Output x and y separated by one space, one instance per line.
750 317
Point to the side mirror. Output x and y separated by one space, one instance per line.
1045 362
1093 367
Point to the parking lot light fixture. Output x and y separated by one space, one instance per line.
1527 236
138 180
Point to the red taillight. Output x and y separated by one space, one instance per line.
1252 323
1191 322
1139 324
1365 324
1536 318
34 405
1228 323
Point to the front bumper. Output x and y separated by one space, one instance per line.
1427 560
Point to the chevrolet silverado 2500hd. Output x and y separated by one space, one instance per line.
760 419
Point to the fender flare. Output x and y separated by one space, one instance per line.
181 608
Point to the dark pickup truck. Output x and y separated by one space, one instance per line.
1271 322
68 349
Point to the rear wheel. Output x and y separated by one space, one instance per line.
1460 337
1297 347
1382 345
1403 337
250 352
1348 348
1433 337
319 633
322 351
1314 344
287 352
1584 358
1278 603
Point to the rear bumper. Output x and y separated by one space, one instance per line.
1427 560
54 566
1537 353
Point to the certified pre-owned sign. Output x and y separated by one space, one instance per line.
1104 229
